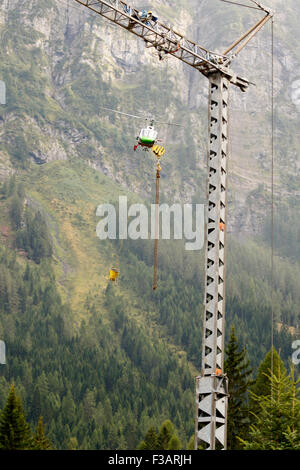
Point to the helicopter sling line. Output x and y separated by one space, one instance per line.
159 152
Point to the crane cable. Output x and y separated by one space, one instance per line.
241 4
272 197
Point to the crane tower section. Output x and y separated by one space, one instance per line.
211 394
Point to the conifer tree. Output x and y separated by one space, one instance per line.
165 439
41 442
151 440
15 433
72 444
68 408
191 443
277 422
16 209
174 443
165 434
238 372
262 384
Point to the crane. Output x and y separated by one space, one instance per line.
212 383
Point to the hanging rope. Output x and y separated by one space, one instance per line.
158 151
156 227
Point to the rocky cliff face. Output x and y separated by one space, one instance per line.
61 63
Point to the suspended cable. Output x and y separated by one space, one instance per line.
272 196
241 4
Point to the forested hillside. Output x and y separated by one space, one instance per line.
102 362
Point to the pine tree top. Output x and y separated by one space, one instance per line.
15 433
41 442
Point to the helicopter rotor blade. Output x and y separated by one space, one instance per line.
124 114
170 124
147 118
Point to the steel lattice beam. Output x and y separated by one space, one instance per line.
159 34
212 385
217 161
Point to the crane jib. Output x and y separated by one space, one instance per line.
162 36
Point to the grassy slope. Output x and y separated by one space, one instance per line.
68 193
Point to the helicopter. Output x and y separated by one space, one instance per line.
148 135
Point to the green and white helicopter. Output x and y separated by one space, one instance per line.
148 136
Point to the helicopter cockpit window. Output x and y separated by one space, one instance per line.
149 133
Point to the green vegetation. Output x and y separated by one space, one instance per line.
262 386
277 420
239 377
31 232
34 238
165 439
15 432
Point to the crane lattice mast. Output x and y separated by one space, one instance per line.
212 384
